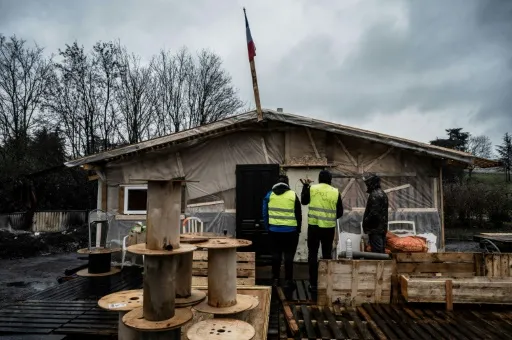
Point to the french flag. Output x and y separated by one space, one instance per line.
251 48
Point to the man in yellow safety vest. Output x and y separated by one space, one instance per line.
282 216
325 208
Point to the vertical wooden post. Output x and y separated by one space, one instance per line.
449 295
441 202
256 90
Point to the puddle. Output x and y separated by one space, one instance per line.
35 285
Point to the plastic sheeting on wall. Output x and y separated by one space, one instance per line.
212 163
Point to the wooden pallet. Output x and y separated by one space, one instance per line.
46 317
245 271
317 322
397 322
353 282
478 289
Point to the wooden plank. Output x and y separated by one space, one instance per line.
389 313
406 319
378 332
434 257
378 320
459 326
397 329
496 264
488 266
379 281
464 290
288 314
355 278
430 329
333 325
310 331
451 268
449 295
120 201
448 328
324 331
360 325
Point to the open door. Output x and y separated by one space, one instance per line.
252 184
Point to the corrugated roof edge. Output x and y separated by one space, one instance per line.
272 115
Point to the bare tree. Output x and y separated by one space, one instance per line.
211 95
480 146
24 75
136 98
82 96
172 74
192 91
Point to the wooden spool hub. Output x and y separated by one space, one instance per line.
123 302
136 320
221 329
185 295
222 291
99 262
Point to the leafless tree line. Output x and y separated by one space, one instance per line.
107 97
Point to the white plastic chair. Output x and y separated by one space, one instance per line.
192 225
403 232
342 239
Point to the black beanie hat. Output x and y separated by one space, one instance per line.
324 177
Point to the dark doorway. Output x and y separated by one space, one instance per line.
252 184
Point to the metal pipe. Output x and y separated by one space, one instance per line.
365 255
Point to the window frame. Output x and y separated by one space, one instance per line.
127 188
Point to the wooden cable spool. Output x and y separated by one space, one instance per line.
158 318
99 262
123 302
222 290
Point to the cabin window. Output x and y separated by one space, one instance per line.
135 199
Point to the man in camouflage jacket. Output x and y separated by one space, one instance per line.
375 218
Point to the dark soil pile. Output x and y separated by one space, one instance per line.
24 244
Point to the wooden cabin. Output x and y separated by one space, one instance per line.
233 163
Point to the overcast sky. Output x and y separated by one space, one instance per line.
409 68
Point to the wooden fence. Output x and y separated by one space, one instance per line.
44 221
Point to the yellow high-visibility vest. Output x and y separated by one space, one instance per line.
281 209
322 205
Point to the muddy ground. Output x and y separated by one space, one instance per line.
21 278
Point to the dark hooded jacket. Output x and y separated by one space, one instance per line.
279 189
375 218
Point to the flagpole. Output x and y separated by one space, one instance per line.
256 90
253 72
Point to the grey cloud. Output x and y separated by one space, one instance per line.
453 55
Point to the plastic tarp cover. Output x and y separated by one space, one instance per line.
212 164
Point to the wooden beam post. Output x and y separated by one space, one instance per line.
449 295
441 203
